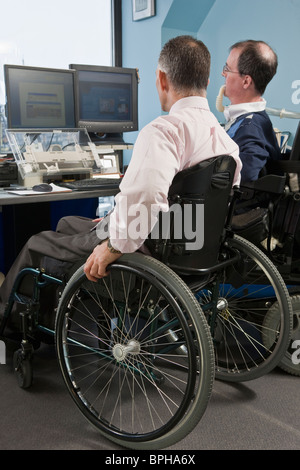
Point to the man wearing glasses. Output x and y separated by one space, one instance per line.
250 66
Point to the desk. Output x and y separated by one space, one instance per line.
23 216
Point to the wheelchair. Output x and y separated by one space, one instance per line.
270 220
139 350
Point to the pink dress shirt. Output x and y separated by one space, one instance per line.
189 134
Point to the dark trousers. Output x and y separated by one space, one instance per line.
73 240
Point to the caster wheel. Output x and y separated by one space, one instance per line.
23 369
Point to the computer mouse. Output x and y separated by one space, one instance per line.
42 188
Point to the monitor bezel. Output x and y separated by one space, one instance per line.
106 127
8 92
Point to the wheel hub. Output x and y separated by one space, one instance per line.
121 351
222 306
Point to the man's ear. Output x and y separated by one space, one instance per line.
247 81
164 83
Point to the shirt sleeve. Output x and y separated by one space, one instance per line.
144 190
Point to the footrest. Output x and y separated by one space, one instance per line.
252 225
22 299
248 219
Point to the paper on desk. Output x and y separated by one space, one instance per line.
30 192
106 175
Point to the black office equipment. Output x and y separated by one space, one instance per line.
8 172
39 98
43 187
106 100
92 184
295 152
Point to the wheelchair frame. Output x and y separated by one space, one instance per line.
278 242
157 333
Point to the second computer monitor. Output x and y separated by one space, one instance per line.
106 99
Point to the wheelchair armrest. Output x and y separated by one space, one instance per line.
274 184
286 166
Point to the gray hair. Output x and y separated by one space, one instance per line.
186 62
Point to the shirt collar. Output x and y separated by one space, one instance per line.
190 102
233 111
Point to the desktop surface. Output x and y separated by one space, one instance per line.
7 197
22 216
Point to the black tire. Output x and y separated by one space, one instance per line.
290 361
237 304
23 369
126 364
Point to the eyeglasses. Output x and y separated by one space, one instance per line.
226 69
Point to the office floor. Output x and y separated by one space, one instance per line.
263 414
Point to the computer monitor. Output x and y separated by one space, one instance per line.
106 100
295 152
39 98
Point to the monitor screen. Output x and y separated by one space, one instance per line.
295 152
39 98
106 99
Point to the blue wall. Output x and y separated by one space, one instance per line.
219 23
141 49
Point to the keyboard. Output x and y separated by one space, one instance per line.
92 184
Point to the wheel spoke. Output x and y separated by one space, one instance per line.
237 306
127 351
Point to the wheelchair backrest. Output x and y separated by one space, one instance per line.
188 237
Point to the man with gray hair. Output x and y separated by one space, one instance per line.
187 135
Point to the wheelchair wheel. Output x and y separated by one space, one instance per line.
237 304
140 389
290 362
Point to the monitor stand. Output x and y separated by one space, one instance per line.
108 138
